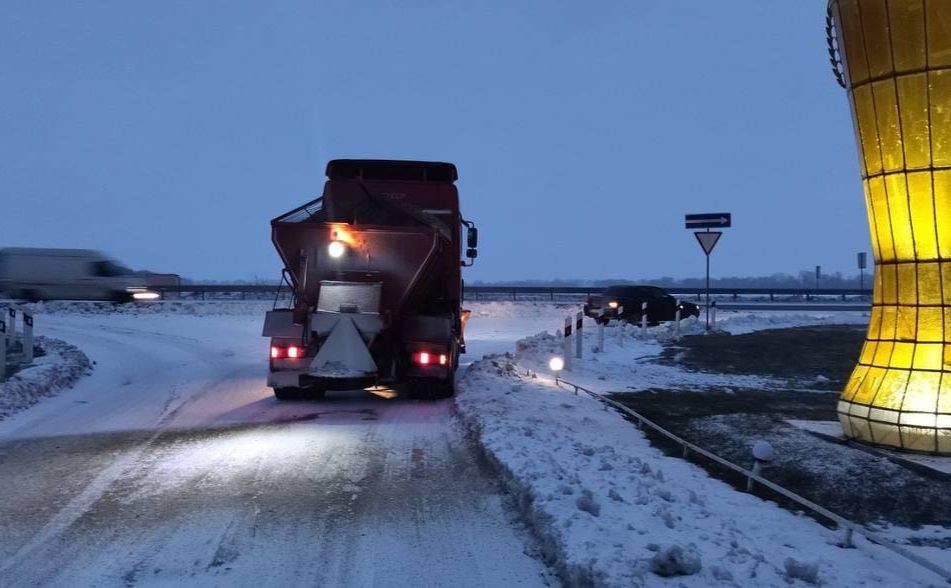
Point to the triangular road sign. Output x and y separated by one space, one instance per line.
708 239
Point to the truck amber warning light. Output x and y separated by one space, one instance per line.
894 60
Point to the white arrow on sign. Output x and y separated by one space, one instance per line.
708 239
698 221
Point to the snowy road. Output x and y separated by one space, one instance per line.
173 463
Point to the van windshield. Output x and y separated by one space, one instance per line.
110 269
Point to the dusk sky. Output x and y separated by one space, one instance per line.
169 133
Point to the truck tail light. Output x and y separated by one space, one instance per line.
290 352
427 358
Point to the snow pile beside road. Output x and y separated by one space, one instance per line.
611 510
58 370
173 307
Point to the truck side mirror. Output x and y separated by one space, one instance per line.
472 253
472 238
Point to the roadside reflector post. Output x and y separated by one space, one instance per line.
3 349
579 339
763 452
566 351
677 320
756 471
713 314
12 325
643 320
27 338
848 542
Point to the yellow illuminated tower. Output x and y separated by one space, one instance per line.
894 58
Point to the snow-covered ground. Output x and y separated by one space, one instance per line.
613 510
628 364
172 463
58 369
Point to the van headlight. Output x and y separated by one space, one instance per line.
140 293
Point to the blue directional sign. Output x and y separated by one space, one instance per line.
708 221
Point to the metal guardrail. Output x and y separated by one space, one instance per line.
475 292
844 523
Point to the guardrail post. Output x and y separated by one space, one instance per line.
27 338
579 339
567 343
713 314
643 320
3 349
677 320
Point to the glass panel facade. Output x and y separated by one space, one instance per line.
897 59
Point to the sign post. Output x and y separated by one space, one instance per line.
818 275
862 264
708 240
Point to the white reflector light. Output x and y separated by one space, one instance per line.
336 249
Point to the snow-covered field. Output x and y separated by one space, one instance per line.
172 463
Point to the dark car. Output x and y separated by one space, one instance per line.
625 302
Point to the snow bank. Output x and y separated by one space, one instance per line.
58 370
612 510
156 307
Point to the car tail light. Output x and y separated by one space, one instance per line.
442 359
422 358
275 352
293 352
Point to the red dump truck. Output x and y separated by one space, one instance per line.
374 267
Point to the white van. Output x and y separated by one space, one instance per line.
67 274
